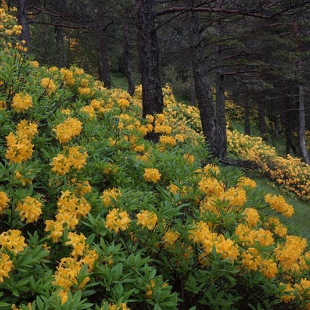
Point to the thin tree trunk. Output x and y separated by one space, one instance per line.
60 45
302 126
128 72
261 120
152 97
220 94
247 126
105 74
22 19
301 100
202 86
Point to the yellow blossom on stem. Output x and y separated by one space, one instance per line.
151 175
13 241
109 195
279 204
117 220
67 130
147 219
29 209
49 85
21 102
55 229
4 199
78 243
6 265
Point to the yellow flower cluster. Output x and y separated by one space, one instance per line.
249 237
167 140
21 102
6 265
89 110
49 85
68 270
252 217
120 306
67 130
117 220
29 209
289 172
19 145
4 199
226 248
151 175
279 204
67 76
16 30
13 241
109 196
147 219
78 243
74 159
290 254
276 226
170 237
70 210
253 260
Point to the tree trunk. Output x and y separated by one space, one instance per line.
60 46
301 100
127 68
202 86
261 120
302 126
247 126
104 70
220 95
152 97
22 18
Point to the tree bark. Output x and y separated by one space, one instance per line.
202 86
247 126
22 19
261 120
302 125
152 97
220 95
301 101
104 69
128 72
60 45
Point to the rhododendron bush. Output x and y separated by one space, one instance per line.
93 216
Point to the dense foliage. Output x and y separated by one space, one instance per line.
93 216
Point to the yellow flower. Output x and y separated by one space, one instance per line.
252 217
3 201
21 102
6 265
67 130
170 237
29 209
279 204
109 195
13 241
78 243
151 175
49 85
117 220
55 228
147 219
